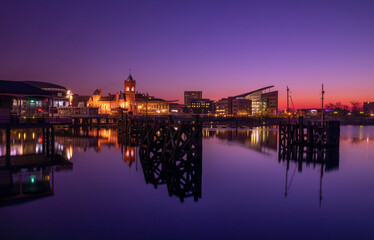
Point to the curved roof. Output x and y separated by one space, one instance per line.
16 87
258 90
43 85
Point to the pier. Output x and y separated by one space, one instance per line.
170 153
310 134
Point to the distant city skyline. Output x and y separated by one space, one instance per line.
222 48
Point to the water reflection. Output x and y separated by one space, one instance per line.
183 178
27 173
321 159
240 187
182 175
260 139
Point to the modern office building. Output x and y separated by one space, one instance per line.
263 101
259 102
222 107
239 107
189 95
232 107
200 106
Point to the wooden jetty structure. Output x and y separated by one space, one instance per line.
312 135
315 145
170 153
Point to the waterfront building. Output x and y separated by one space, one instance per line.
259 102
199 106
189 95
62 97
130 85
149 105
368 108
111 103
107 104
80 100
263 101
239 107
175 107
309 112
222 107
29 101
229 107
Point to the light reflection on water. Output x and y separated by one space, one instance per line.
246 191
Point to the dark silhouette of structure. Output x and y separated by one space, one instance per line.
318 146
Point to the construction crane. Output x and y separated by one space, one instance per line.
288 102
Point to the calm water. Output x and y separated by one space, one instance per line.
242 192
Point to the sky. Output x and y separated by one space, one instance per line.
223 48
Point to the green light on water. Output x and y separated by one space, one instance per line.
32 179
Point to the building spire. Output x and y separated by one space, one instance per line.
130 76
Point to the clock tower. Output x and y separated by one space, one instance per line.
130 94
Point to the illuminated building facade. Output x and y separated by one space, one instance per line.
130 85
61 96
240 107
263 101
201 106
222 107
230 107
189 95
108 104
259 102
149 105
30 101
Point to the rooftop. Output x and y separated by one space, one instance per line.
20 88
258 90
44 85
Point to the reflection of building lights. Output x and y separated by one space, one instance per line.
255 136
24 135
47 178
33 135
32 179
69 152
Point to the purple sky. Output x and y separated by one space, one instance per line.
223 48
